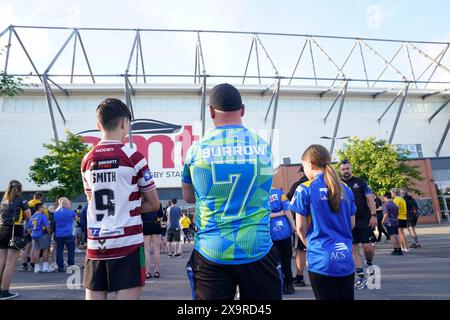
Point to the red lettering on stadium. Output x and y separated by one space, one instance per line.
166 141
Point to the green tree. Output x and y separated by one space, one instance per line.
9 85
380 164
60 168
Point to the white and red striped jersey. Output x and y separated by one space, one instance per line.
114 175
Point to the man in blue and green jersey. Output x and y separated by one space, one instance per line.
228 175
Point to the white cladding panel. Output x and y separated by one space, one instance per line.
25 124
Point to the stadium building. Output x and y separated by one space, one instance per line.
297 89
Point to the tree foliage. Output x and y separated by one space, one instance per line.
380 164
9 85
60 167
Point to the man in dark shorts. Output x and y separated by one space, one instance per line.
174 229
300 252
390 220
228 175
366 220
114 176
412 216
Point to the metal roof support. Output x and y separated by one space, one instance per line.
131 54
248 60
270 104
132 90
443 51
137 58
142 57
439 110
387 63
275 110
435 67
129 103
85 56
328 58
59 52
364 63
56 102
200 50
298 60
8 50
334 102
444 136
73 58
50 107
203 105
338 119
342 67
410 64
5 31
267 55
28 56
399 111
312 60
390 105
434 93
66 92
429 58
196 66
257 59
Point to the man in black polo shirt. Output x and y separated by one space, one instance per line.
300 253
366 220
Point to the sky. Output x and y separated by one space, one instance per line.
394 19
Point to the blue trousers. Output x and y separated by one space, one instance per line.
69 242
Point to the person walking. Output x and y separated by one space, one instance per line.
63 220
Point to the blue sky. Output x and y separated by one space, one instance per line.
395 19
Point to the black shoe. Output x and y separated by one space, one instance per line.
6 295
289 289
60 269
177 255
156 274
299 282
148 275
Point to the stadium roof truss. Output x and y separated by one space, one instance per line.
338 82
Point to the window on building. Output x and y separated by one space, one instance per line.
414 150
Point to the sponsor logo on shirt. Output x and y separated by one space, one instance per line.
323 193
147 175
105 164
340 251
104 150
94 232
355 185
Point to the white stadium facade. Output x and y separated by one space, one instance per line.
297 89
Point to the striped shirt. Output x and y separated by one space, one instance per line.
113 176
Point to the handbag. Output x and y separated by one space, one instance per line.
17 242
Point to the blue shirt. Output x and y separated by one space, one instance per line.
392 211
64 222
230 170
329 235
37 223
174 217
278 201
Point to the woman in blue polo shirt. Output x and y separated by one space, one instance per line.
329 206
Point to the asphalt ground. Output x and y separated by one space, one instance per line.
421 274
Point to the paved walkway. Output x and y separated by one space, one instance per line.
422 274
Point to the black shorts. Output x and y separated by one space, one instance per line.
300 245
115 274
392 230
402 224
412 221
173 235
151 228
259 280
362 234
163 232
6 234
